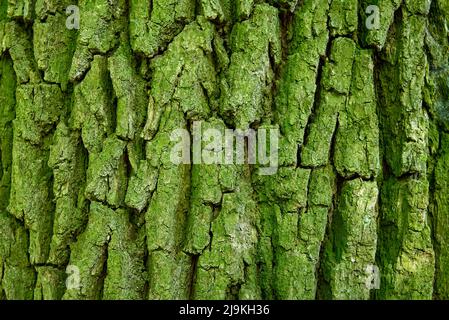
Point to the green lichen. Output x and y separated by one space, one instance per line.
18 42
296 94
7 115
441 221
92 107
406 145
357 136
351 248
68 161
93 207
153 24
343 17
405 248
38 108
18 276
336 84
246 90
53 50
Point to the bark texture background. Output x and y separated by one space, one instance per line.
86 180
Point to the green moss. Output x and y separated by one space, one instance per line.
89 255
129 90
217 9
296 91
93 111
7 115
38 109
184 74
108 253
100 25
106 175
93 207
387 8
53 48
256 52
357 136
405 249
352 243
18 277
17 40
126 274
230 258
336 83
343 17
441 220
23 9
288 188
68 161
153 24
50 284
141 186
405 122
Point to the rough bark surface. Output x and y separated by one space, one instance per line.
86 181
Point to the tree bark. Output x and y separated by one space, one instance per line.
92 207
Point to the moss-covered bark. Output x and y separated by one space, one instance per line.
92 207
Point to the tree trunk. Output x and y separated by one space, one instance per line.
93 207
